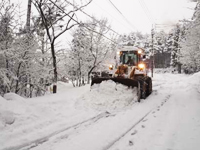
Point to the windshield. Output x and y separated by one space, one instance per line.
129 58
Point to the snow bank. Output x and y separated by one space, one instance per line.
194 81
12 108
62 85
6 116
15 104
13 96
109 96
1 99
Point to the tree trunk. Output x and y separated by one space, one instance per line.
83 80
179 68
54 68
28 17
28 33
89 74
31 91
17 82
88 81
77 78
73 83
7 90
43 44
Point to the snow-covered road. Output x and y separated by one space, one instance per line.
80 119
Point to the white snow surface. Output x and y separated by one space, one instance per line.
105 117
108 96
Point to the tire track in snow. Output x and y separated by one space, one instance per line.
143 119
157 108
133 126
35 143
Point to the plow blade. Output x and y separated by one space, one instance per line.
124 81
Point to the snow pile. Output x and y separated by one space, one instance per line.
6 116
109 96
1 100
14 108
56 120
16 104
13 96
62 85
194 81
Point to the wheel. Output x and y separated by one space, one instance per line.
143 87
142 83
143 93
138 92
149 86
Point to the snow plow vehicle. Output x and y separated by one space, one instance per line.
131 71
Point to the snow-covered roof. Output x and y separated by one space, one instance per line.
129 48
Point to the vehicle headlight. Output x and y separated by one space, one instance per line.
141 66
111 67
139 51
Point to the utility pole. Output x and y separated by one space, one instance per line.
152 52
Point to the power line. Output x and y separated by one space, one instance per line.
116 8
81 24
148 12
92 17
122 14
113 16
145 11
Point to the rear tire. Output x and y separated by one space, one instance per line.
144 95
149 86
143 86
138 93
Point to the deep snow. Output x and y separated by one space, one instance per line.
105 117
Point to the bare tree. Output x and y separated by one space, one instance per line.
90 48
53 14
99 47
6 38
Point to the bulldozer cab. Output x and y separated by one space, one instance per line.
130 58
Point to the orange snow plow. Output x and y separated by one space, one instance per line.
131 73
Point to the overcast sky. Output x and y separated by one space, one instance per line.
126 16
139 15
